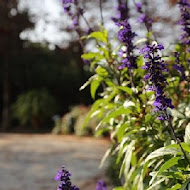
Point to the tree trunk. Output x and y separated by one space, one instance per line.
6 109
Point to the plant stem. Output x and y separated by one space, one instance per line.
86 21
175 138
101 12
131 79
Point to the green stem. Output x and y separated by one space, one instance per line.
175 138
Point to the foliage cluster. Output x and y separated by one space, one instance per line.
72 121
152 145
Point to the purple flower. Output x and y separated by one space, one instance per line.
179 67
185 21
122 12
58 176
139 7
144 18
101 185
63 176
155 67
126 36
67 1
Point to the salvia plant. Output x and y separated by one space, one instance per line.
141 97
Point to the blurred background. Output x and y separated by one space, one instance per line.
41 72
41 69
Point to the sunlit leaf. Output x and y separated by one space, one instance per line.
175 187
101 37
187 134
173 161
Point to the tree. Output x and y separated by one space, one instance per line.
12 23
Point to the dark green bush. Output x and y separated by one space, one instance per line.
34 107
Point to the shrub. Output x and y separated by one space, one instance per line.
34 107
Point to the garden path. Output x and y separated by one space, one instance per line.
30 162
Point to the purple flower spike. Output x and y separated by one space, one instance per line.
58 176
63 176
101 185
122 12
179 67
155 67
126 36
185 21
144 18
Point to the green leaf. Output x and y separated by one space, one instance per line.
163 151
175 187
107 153
101 71
145 168
185 146
173 161
148 117
94 108
187 134
92 55
126 89
114 114
121 131
156 183
87 82
118 188
127 160
105 52
94 86
101 37
183 187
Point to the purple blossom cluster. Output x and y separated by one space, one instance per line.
126 36
144 18
101 185
74 15
185 21
64 177
122 12
155 67
179 67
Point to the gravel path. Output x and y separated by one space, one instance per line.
30 162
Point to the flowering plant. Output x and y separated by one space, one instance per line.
145 98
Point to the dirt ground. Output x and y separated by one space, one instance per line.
30 162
